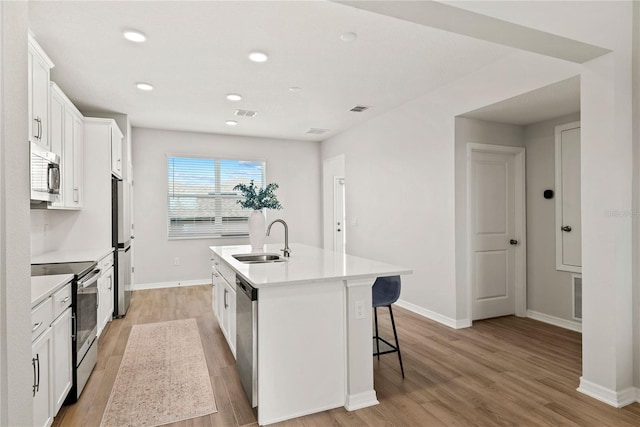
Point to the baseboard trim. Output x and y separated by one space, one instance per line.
617 399
432 315
179 283
361 400
556 321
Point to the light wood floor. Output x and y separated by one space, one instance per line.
502 372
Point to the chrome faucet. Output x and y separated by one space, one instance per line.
286 249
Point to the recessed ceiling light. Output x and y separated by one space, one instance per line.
135 36
231 123
233 97
144 86
348 36
295 89
258 56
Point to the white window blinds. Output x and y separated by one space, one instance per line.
201 199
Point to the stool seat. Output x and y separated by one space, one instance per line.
386 291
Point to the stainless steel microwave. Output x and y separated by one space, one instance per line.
45 174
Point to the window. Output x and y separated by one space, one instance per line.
201 199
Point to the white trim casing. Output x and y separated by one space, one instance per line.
617 399
520 225
556 321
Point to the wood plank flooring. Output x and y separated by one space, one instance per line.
501 372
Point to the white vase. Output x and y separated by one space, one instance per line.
257 234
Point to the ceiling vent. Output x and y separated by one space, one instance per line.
316 131
359 108
246 113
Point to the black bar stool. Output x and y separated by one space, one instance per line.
386 291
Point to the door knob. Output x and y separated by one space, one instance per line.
566 228
513 242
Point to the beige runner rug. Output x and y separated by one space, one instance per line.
163 377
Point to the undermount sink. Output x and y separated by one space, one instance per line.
258 258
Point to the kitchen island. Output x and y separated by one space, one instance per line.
314 328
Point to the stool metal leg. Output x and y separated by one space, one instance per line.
375 313
395 334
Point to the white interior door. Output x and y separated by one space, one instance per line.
495 231
339 225
568 209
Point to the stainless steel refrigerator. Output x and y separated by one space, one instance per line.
121 239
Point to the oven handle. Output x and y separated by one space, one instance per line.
75 326
91 280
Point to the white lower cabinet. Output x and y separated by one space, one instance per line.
62 372
105 299
229 315
41 354
51 355
224 302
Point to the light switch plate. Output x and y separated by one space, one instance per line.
359 306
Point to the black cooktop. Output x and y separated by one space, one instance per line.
77 268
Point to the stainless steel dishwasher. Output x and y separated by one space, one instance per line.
247 338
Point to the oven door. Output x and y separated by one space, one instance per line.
86 326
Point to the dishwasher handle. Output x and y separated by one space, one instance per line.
246 289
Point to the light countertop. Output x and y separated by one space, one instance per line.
76 255
307 264
43 286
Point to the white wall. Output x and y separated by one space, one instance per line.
481 132
15 295
401 178
549 291
294 165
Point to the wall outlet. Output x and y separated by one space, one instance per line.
176 261
360 309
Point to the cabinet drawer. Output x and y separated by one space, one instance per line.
228 274
61 300
105 263
41 317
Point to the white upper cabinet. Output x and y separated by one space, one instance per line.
39 68
67 140
116 151
568 209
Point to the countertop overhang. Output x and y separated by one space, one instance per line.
307 264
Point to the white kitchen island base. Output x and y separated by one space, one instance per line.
314 330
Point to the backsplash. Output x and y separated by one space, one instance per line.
50 230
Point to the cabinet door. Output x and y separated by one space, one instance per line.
229 316
57 140
41 387
102 302
218 295
77 195
232 321
116 151
61 329
105 301
109 295
39 97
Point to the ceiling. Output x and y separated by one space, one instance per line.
196 53
542 104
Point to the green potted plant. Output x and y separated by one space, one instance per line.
257 199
